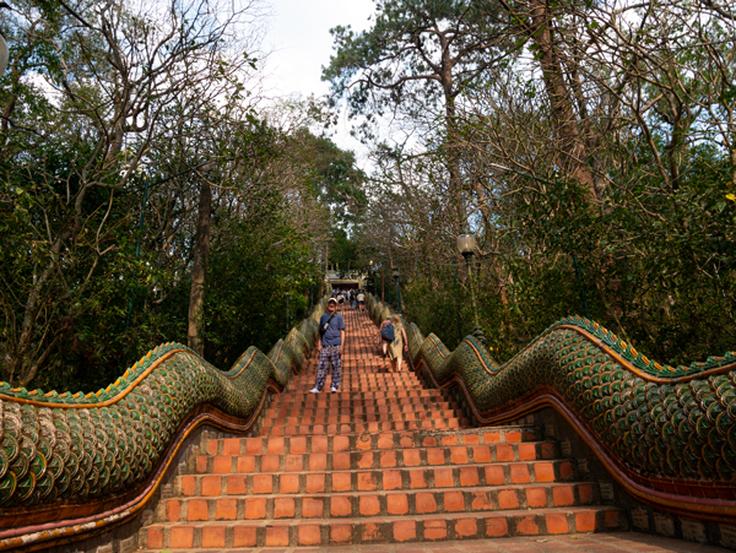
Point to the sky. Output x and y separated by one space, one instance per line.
298 43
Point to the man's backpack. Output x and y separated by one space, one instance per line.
387 332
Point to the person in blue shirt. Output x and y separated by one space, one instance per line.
330 344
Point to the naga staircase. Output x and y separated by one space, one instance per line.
577 434
383 460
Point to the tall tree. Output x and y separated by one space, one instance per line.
535 20
593 154
107 75
417 58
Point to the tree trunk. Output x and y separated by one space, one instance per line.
195 331
452 146
572 146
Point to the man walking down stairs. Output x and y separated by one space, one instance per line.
384 461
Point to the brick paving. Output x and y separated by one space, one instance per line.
385 465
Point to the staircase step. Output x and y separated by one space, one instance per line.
360 427
381 529
362 458
388 478
385 440
391 392
367 501
370 404
344 418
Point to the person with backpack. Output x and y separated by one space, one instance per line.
394 341
330 344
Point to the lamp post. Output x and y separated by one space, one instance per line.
395 273
467 247
370 284
383 285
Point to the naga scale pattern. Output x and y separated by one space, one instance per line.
80 447
667 427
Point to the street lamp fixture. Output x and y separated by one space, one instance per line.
468 247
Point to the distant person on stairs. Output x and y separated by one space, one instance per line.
394 341
330 344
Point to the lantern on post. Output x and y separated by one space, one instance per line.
468 247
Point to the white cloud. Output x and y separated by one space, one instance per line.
298 41
298 37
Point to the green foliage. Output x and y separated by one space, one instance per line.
331 176
343 250
657 266
260 274
99 218
659 271
434 304
405 57
623 210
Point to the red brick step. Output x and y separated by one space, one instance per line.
387 458
383 440
361 427
369 502
381 529
389 478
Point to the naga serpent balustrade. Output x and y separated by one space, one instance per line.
72 464
666 434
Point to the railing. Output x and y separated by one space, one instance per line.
666 434
73 463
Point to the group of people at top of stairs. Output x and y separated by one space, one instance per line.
331 342
354 297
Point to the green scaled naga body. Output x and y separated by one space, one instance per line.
74 462
666 434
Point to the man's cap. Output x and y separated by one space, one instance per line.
332 300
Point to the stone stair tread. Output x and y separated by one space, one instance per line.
475 430
406 467
288 420
391 518
358 470
358 409
356 454
379 491
395 447
352 428
418 431
384 529
428 431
